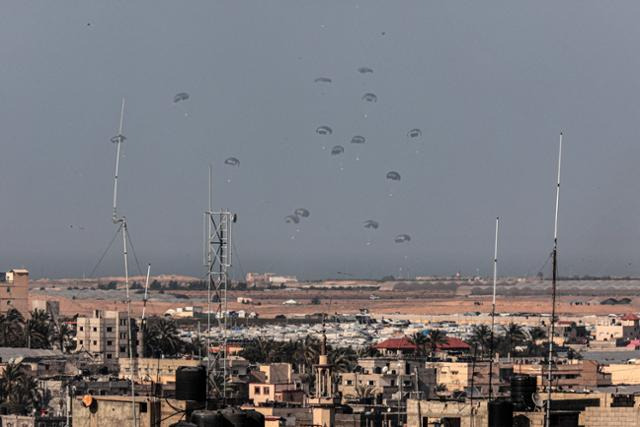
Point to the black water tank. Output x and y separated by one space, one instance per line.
236 418
183 424
191 383
256 419
523 387
207 418
500 413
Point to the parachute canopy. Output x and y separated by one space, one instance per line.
322 80
337 149
324 130
302 212
232 161
393 175
371 224
370 97
357 139
182 96
401 238
365 70
292 219
414 133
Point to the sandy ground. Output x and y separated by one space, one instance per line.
390 302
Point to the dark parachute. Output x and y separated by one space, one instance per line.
358 139
302 212
322 80
337 149
182 96
292 219
414 133
402 238
232 161
370 97
393 175
365 70
371 224
324 130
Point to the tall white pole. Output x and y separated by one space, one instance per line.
118 139
493 308
146 293
554 278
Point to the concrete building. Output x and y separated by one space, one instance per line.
431 413
14 291
104 336
149 370
619 330
459 376
116 411
383 377
276 382
572 375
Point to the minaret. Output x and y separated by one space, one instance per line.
324 400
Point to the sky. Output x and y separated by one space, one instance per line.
490 84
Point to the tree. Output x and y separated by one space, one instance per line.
421 341
62 337
481 337
12 329
513 336
160 334
435 338
18 388
38 329
537 333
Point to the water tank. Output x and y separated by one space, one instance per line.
500 413
183 424
256 419
207 418
523 387
236 418
191 383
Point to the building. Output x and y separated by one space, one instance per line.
574 375
104 337
51 307
92 411
14 291
149 370
431 413
382 378
276 382
455 377
619 330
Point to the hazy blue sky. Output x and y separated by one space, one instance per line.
490 84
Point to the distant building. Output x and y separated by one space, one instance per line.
104 336
619 330
14 290
263 280
276 382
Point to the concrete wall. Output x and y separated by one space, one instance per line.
116 411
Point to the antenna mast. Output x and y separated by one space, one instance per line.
554 277
122 222
217 259
493 309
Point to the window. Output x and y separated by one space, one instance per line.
95 329
122 349
109 329
143 407
370 382
108 355
265 390
81 342
95 342
109 342
349 382
81 328
256 390
234 372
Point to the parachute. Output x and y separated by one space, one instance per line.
232 161
324 130
402 238
414 133
302 212
394 176
292 219
370 97
182 96
322 80
358 139
365 70
371 224
337 149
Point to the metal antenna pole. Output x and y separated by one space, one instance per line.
122 222
493 309
146 295
218 261
554 278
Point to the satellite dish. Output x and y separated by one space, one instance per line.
385 369
537 400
